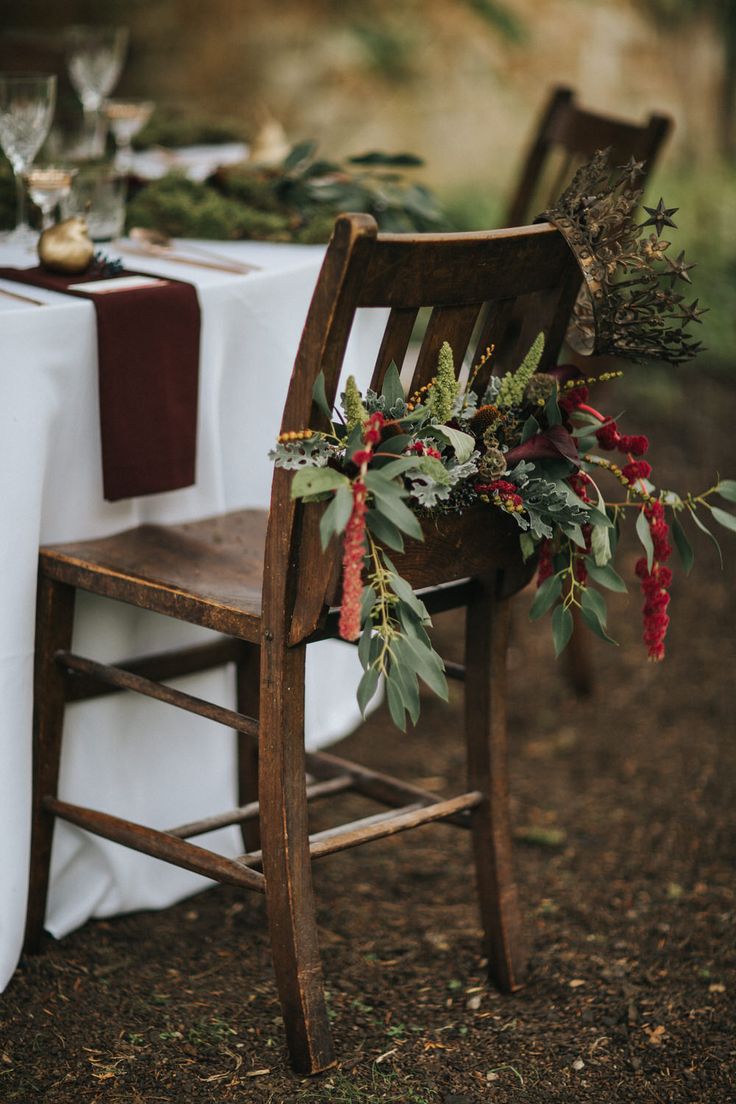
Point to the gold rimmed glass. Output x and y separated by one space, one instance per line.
126 119
47 187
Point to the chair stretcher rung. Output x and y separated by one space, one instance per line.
317 790
126 680
381 825
455 670
380 787
159 667
158 844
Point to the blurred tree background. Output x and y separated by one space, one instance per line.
457 82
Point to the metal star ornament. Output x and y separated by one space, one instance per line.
678 270
660 216
633 171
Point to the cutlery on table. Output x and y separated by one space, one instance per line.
154 243
22 298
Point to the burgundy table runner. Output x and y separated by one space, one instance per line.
148 357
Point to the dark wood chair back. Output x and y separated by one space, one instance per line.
567 136
473 283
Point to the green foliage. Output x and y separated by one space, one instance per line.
185 209
444 391
173 127
295 201
355 412
514 384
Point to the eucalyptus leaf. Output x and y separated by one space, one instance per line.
594 602
462 443
728 521
384 530
552 411
395 701
727 489
595 626
336 516
683 546
310 481
600 545
319 396
562 626
367 688
606 576
546 596
526 543
392 390
645 536
403 590
708 533
429 667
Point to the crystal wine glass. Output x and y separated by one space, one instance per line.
48 186
95 58
26 109
126 119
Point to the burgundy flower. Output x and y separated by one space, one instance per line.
548 445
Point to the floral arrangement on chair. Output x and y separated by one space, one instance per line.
530 446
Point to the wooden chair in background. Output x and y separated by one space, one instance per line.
264 581
566 137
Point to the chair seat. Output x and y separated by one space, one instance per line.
209 572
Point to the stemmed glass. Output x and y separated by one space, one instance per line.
126 119
47 187
26 110
95 58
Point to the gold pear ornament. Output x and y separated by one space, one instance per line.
66 247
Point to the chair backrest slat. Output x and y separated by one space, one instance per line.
528 275
452 324
395 343
578 133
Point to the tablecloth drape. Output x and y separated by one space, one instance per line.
123 754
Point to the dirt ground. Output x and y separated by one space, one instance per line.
623 807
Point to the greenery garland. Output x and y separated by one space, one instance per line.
530 446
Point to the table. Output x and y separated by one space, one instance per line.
118 751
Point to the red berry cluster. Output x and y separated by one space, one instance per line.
423 449
654 583
570 399
371 437
504 495
609 438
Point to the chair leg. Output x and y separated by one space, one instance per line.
54 623
248 678
286 859
487 629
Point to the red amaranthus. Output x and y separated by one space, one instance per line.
654 583
353 550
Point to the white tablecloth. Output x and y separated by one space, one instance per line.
123 754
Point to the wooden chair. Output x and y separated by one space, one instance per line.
571 135
566 137
263 580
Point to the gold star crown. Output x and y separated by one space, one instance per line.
627 305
